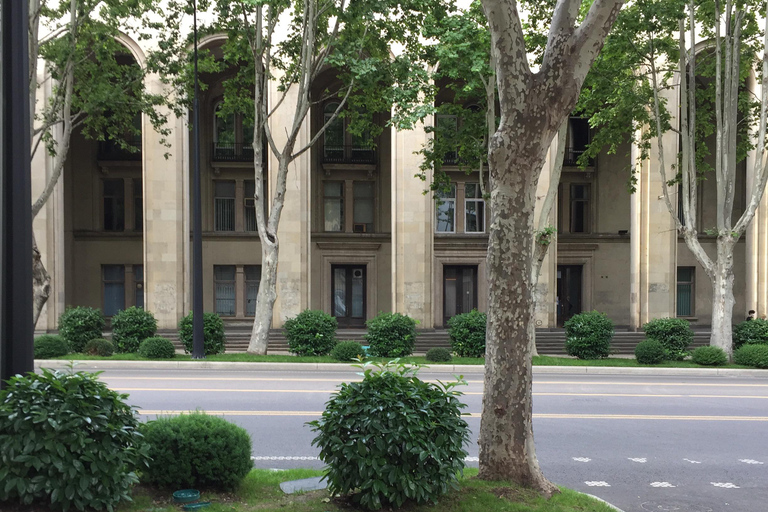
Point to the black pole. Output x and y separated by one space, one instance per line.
198 349
16 329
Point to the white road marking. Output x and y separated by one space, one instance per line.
725 485
750 461
642 460
598 484
662 484
582 459
692 461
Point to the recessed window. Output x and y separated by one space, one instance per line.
113 281
685 291
138 205
224 289
232 136
249 203
114 204
363 206
333 204
474 209
447 128
578 141
138 285
580 206
252 280
224 205
446 210
341 145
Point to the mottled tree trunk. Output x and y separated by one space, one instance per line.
265 300
41 283
722 299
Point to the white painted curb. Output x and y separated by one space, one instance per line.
609 505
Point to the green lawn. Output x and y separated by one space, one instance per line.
260 492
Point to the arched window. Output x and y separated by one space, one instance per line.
232 136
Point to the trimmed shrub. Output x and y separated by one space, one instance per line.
196 451
347 351
80 325
750 332
439 355
392 437
130 327
752 355
99 347
49 346
588 335
674 334
467 334
75 446
649 352
157 348
311 333
213 333
709 356
390 335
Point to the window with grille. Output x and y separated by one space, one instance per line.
224 289
224 205
474 209
249 205
113 282
685 291
252 280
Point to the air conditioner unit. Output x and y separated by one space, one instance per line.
360 228
249 202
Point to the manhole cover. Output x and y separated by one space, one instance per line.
655 506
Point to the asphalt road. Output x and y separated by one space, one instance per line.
642 443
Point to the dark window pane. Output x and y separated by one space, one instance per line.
138 206
114 289
224 289
333 205
363 206
224 205
114 205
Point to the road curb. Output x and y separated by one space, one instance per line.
346 367
614 507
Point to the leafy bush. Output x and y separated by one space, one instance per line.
750 332
80 325
752 355
392 437
347 351
391 335
157 348
311 333
213 333
196 450
649 352
588 335
439 355
709 356
99 347
467 334
76 444
130 327
674 334
49 346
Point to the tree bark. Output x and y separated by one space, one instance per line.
722 298
41 283
265 300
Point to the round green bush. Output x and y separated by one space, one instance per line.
750 332
49 346
709 356
649 352
588 335
439 355
80 325
213 333
674 334
752 355
99 347
467 334
391 335
196 451
347 351
311 333
130 327
76 445
157 348
392 437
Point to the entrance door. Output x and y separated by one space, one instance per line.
459 290
568 292
348 290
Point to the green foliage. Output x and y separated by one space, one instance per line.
439 355
709 356
588 335
157 348
347 351
467 334
130 327
649 352
48 346
392 437
213 333
390 335
99 347
67 439
80 325
752 355
311 333
674 334
196 451
750 332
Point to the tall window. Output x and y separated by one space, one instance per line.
114 204
224 289
580 206
252 280
446 210
225 127
447 127
249 203
685 291
578 140
138 205
333 148
474 209
138 285
224 205
333 204
363 206
113 280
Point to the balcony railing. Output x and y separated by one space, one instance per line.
111 150
232 152
348 155
571 158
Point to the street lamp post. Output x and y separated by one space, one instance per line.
198 348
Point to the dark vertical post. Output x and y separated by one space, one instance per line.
16 329
198 349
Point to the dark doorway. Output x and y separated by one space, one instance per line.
459 290
348 290
568 292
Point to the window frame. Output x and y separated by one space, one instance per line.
114 198
105 282
216 299
441 198
216 198
246 282
692 284
478 198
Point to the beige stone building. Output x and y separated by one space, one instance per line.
358 235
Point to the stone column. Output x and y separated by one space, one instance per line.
756 271
545 314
